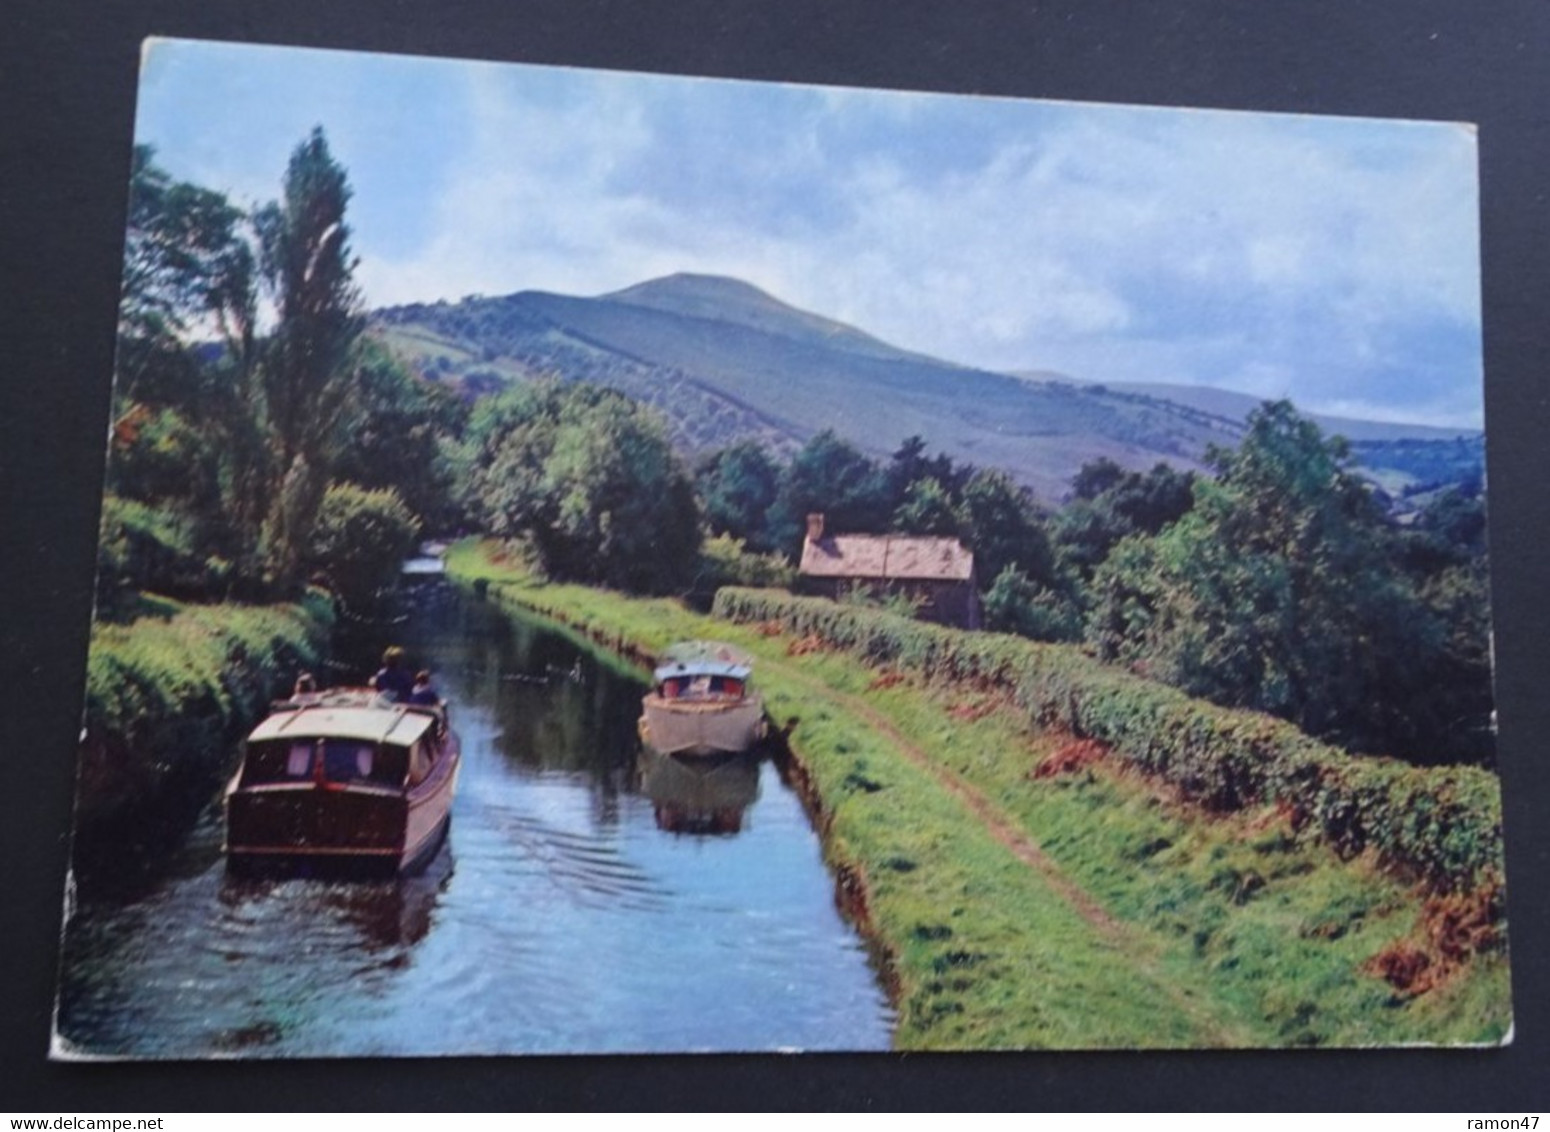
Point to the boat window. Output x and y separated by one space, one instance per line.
346 760
298 760
419 762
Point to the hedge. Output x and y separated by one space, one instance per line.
1441 825
166 693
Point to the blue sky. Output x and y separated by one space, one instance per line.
1335 261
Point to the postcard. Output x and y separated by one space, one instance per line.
597 562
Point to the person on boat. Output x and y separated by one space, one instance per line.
393 679
424 692
306 689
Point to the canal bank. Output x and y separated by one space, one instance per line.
1078 909
167 694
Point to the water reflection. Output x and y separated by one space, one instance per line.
699 795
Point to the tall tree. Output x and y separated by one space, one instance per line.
402 430
834 477
1279 591
309 366
1005 529
927 509
187 274
738 485
590 477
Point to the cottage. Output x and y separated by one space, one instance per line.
938 573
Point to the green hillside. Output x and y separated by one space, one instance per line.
725 361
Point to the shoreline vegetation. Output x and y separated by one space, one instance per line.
169 689
1032 874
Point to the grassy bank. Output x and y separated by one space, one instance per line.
167 691
1093 906
1440 825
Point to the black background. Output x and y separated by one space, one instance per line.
67 88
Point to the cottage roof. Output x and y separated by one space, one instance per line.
887 557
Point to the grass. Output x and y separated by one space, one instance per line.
167 689
1081 910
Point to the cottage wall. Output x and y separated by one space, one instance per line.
946 603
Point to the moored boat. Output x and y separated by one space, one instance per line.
701 702
344 778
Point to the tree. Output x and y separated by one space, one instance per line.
1278 591
1015 603
360 539
401 429
831 476
910 464
737 488
591 479
181 246
1004 529
1096 477
927 509
184 428
1109 504
309 367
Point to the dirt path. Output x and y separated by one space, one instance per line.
1142 951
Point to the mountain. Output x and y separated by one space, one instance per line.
1238 406
732 302
724 360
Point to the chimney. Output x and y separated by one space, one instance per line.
815 526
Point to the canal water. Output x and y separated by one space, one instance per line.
590 898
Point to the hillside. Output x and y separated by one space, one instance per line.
1238 406
726 361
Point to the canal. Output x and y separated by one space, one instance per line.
590 898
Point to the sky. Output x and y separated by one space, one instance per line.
1331 260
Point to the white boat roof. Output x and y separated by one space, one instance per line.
704 658
397 724
702 668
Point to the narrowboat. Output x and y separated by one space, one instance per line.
345 778
701 702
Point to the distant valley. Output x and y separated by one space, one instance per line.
725 361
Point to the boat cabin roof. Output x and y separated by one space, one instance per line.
398 724
702 668
703 658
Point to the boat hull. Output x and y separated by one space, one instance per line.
325 827
701 727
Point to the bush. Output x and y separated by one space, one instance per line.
727 561
1017 604
1439 825
166 693
140 547
361 540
